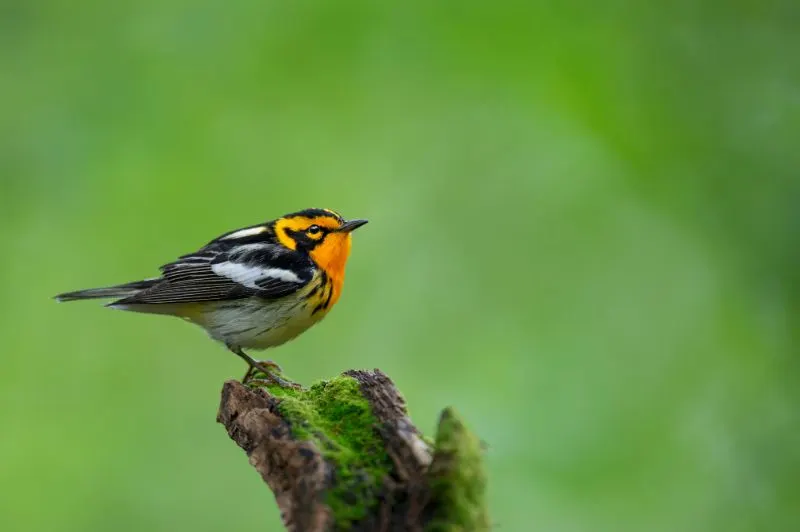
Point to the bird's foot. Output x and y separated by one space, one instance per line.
269 370
264 366
273 379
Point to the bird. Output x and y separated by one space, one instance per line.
252 288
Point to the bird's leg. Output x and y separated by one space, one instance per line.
267 367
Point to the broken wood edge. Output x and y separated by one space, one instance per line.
299 455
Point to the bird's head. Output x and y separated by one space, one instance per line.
321 233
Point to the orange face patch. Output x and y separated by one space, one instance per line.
301 224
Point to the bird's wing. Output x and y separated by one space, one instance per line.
263 270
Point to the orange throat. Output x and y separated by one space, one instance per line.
331 255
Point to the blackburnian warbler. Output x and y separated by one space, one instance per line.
255 287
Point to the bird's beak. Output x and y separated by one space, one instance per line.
350 226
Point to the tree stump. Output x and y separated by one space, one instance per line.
343 455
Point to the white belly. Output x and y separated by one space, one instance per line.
257 324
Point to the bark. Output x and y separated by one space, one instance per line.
344 455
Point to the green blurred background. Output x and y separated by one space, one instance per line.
585 236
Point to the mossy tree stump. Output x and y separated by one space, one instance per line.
343 455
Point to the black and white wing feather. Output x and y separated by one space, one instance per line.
218 273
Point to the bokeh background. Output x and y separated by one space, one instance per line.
584 237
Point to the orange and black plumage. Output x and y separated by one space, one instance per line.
252 288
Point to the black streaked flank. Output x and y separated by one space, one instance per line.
326 295
329 296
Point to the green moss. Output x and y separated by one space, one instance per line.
458 479
334 415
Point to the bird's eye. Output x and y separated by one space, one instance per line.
314 230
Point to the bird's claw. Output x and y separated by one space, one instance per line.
264 366
274 379
270 370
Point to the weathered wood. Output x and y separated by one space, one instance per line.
343 455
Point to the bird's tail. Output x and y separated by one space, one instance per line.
121 290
